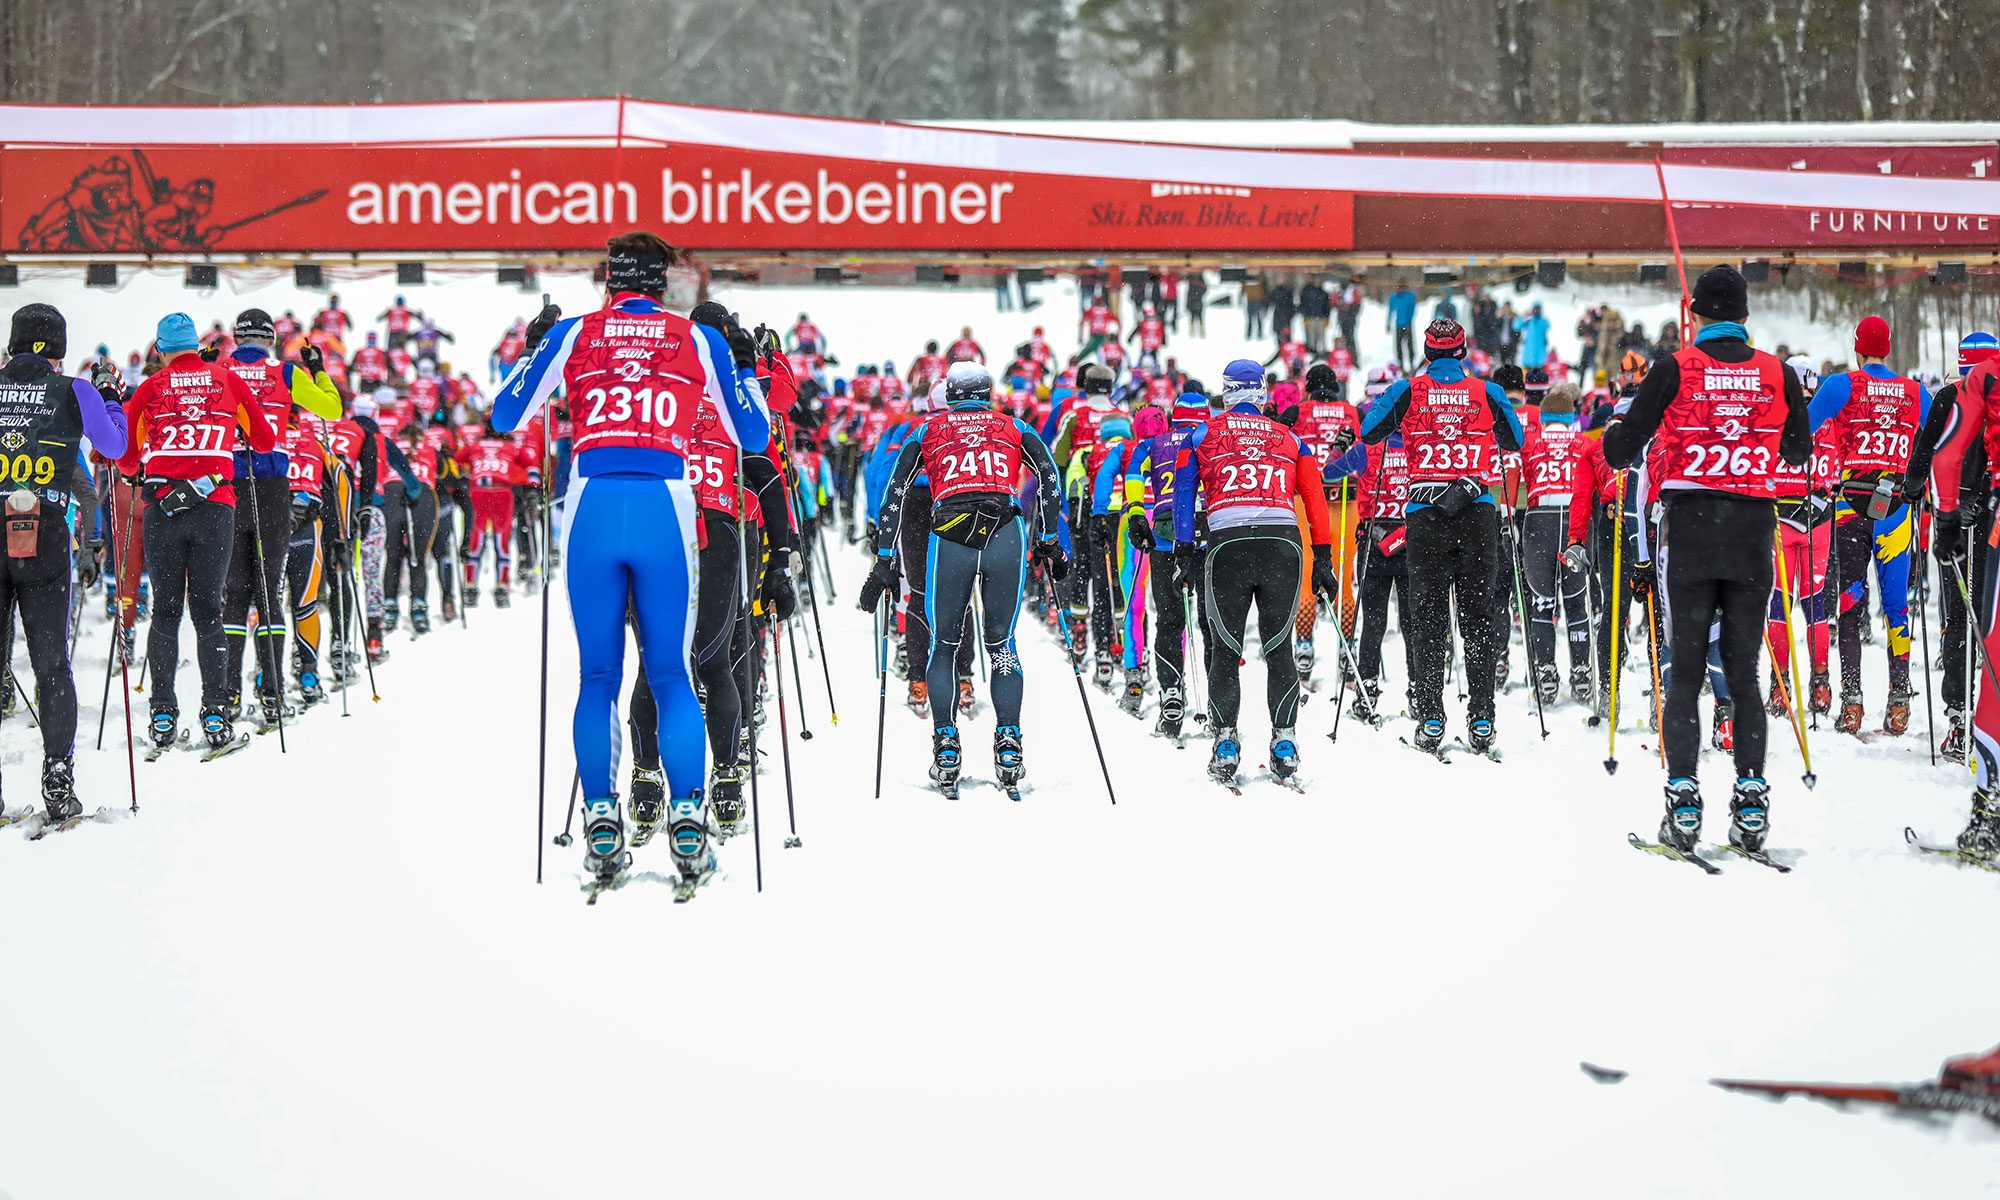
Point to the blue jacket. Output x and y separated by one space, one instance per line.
1387 413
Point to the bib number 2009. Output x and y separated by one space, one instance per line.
1708 462
616 406
39 470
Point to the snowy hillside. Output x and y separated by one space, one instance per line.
331 973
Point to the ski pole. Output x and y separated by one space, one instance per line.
819 634
1791 654
354 602
542 726
1616 619
1812 523
798 684
1521 603
1653 657
118 624
458 577
1076 669
117 633
1924 624
575 783
752 654
882 689
826 564
785 738
23 694
273 617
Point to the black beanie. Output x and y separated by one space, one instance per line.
1509 378
711 314
255 322
1721 295
38 330
1321 381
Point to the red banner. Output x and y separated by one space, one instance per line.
269 198
1754 227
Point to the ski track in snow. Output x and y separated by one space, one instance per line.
330 973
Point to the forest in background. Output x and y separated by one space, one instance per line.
1445 61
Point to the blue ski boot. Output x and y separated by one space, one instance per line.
1681 827
1749 815
1226 758
1284 753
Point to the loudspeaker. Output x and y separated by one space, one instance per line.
100 275
1031 274
10 275
1653 273
1854 272
1757 270
1550 272
1439 276
511 276
827 274
200 275
409 274
930 274
1949 272
308 275
1235 274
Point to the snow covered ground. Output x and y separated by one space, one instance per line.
331 974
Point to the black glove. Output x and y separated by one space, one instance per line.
741 349
1287 417
544 321
89 563
305 510
210 352
312 359
1948 540
780 597
1640 579
106 379
766 340
1324 584
1139 531
1576 558
1187 565
1104 529
1049 553
883 579
1342 442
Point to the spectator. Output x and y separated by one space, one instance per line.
1635 339
1402 316
1446 310
1587 327
1253 308
1670 340
1486 325
1347 308
1534 336
1170 300
1315 308
1284 302
1510 338
1003 291
1197 302
1610 333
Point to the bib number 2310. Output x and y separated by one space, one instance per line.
616 406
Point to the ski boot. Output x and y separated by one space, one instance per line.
1548 683
1776 704
8 693
901 664
218 726
1171 713
1580 685
919 698
1302 653
1101 675
687 841
1479 735
165 730
501 598
111 604
271 710
448 607
1500 673
1852 714
1079 640
471 598
391 614
946 760
1367 702
145 597
647 804
1228 756
375 629
1430 736
1284 753
128 646
1724 735
1749 815
604 835
59 790
1981 839
725 799
1135 690
1007 766
420 618
309 688
1896 717
1681 827
1952 749
1821 690
968 700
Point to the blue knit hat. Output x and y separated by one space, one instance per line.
1242 373
176 334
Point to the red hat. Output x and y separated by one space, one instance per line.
1871 338
1444 339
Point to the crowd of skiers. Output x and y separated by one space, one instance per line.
1723 500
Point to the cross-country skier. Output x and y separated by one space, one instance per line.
1876 414
1250 469
972 456
1172 594
1454 427
1724 415
634 374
